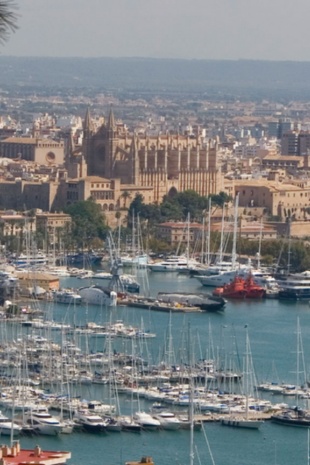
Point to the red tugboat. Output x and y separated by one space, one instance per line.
254 291
241 288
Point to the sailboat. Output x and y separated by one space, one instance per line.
246 421
295 416
223 272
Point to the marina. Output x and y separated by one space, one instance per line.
216 336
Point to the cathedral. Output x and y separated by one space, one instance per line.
153 166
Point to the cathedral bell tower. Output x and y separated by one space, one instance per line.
111 144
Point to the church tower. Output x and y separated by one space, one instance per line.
134 160
87 142
111 144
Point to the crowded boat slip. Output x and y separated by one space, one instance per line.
79 373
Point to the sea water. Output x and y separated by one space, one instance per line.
272 329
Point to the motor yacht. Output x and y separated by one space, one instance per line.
42 422
168 420
7 426
146 420
179 263
67 296
89 421
295 286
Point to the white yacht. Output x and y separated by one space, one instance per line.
146 420
67 296
223 277
140 260
168 420
7 426
295 286
97 295
218 279
89 421
128 281
42 422
178 263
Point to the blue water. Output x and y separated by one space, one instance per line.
271 326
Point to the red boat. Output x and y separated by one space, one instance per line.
241 288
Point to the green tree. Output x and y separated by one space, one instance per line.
88 222
220 199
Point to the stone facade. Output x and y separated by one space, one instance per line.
151 166
41 151
278 199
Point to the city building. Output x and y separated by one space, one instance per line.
42 151
178 233
151 165
281 199
295 143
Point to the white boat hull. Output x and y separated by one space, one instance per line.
242 423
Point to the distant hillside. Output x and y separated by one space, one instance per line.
261 79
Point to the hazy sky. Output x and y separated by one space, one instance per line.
211 29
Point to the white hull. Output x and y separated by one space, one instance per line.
217 280
168 421
48 430
96 295
139 261
242 423
163 268
6 429
146 421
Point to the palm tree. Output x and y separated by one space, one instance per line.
125 195
8 19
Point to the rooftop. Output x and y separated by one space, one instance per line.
15 455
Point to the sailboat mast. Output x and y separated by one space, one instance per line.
191 401
203 240
188 238
222 236
289 247
234 248
260 243
246 373
209 233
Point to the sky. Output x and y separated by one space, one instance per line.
191 29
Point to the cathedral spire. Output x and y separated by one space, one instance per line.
134 145
111 120
87 121
71 144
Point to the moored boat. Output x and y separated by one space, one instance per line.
205 302
146 420
89 421
295 286
242 423
293 417
241 288
97 295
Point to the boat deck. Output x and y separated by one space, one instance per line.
264 416
158 306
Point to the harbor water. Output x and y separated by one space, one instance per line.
272 329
